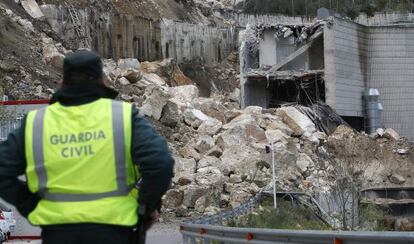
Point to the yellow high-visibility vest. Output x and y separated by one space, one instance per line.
79 162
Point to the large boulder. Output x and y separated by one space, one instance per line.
242 134
204 144
397 179
128 63
192 193
194 117
298 122
404 224
242 119
184 171
156 97
52 56
188 151
212 108
210 176
148 79
173 198
168 70
132 75
241 159
209 161
274 136
304 163
253 110
210 127
184 165
271 122
171 114
391 134
184 94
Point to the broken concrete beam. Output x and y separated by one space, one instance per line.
296 54
298 122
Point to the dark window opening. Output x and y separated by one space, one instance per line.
136 47
219 54
357 123
157 51
167 50
296 91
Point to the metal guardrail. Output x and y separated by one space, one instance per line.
240 210
207 234
8 126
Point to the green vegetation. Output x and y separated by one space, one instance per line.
287 216
373 218
350 8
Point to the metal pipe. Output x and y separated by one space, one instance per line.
274 175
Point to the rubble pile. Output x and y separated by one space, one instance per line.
219 149
220 78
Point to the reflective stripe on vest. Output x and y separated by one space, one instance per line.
119 146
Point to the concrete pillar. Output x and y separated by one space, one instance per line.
330 72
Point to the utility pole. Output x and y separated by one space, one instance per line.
271 149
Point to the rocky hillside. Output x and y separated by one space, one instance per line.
24 71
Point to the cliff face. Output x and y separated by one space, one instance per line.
137 29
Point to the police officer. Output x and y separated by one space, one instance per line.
82 156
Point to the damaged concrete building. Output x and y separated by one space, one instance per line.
335 61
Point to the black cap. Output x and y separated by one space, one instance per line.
82 67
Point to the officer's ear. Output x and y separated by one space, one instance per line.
60 82
105 81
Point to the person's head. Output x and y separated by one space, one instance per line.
82 67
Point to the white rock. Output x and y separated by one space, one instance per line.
194 117
253 110
240 120
211 107
156 97
171 114
397 179
391 134
272 122
241 159
184 165
188 151
123 81
208 162
274 136
210 176
192 193
304 163
298 122
204 144
235 96
109 66
200 204
128 63
210 127
133 75
211 210
402 151
151 78
184 94
173 198
380 131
